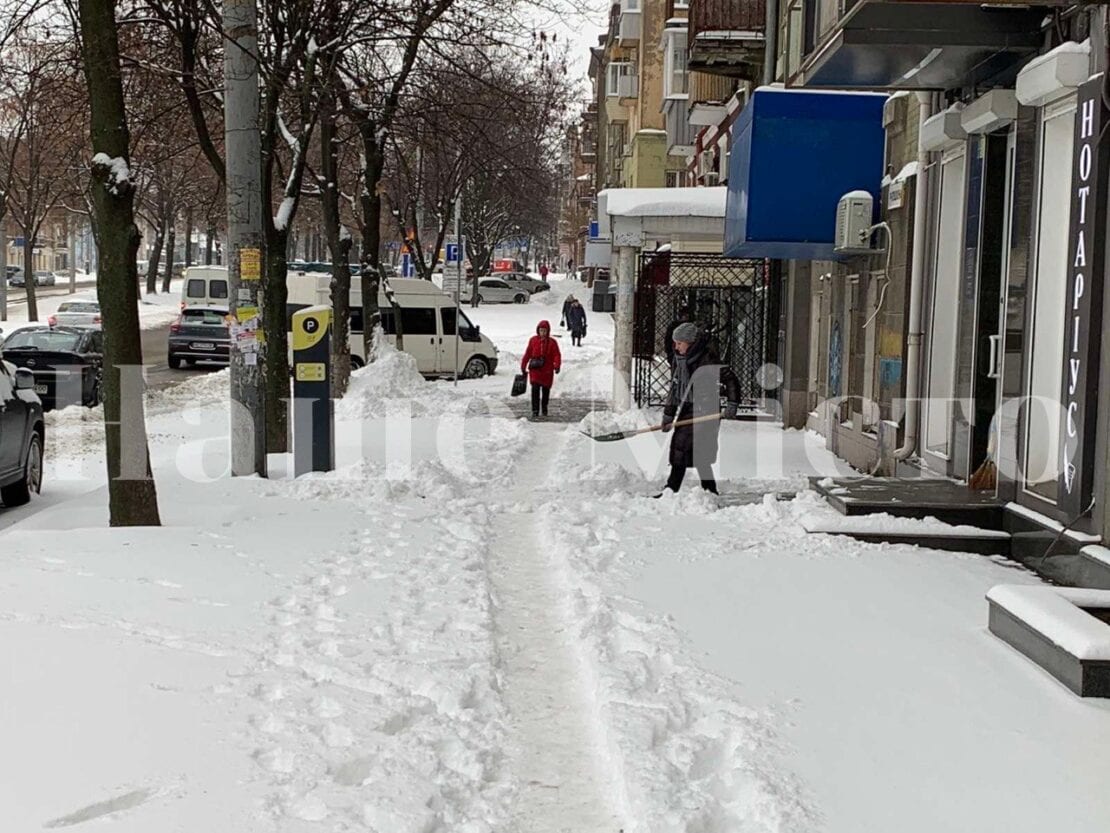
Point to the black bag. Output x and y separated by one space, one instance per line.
520 384
536 363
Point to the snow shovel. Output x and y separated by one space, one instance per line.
624 435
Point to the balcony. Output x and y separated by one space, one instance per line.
909 44
629 23
709 97
680 133
727 37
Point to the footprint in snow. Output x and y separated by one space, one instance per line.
118 804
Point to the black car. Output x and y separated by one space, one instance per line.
200 334
66 362
21 436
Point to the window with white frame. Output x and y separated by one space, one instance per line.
675 72
674 179
616 78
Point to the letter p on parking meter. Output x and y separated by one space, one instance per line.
313 415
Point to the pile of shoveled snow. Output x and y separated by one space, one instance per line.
389 384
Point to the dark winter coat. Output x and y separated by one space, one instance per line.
693 445
546 348
576 320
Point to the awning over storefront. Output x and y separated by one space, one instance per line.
795 153
915 45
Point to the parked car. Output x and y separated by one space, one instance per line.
66 362
427 320
44 278
76 314
524 281
495 291
200 334
205 286
16 278
21 436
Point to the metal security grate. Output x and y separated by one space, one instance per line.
728 298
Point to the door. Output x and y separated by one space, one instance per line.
421 330
947 268
452 351
1044 378
12 419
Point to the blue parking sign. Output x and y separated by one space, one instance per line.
452 252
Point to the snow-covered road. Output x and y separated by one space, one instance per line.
484 625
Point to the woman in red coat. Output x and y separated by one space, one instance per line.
541 361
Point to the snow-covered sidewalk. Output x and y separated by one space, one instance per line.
481 624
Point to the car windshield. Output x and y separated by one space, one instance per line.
203 316
77 306
42 340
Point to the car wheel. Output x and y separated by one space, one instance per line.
20 493
520 299
174 362
476 368
356 362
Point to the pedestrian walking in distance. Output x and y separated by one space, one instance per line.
576 321
541 361
543 273
692 395
566 309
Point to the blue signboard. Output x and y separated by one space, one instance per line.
595 229
408 268
795 154
452 252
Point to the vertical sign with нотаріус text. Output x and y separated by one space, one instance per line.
1083 302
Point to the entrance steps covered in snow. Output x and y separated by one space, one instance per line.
939 514
1066 631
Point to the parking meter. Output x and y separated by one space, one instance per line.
313 414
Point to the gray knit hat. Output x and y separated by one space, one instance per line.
687 332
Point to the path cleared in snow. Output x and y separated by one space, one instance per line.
567 781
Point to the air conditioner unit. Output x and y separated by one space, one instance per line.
711 177
853 223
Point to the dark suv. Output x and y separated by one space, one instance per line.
21 436
200 334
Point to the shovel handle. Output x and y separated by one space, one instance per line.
679 424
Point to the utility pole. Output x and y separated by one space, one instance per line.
3 266
244 236
461 276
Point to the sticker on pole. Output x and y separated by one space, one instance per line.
250 264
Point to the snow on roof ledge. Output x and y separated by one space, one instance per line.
667 202
1054 73
1057 614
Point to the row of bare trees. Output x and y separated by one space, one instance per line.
372 111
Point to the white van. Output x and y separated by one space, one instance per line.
427 319
205 286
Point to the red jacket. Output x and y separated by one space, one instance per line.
546 348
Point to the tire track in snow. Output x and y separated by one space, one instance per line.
556 749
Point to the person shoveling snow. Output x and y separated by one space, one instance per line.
693 406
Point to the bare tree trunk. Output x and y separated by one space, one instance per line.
340 245
132 497
371 201
171 235
29 276
188 237
276 380
155 259
208 235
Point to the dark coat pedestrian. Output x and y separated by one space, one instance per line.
576 322
541 361
692 394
